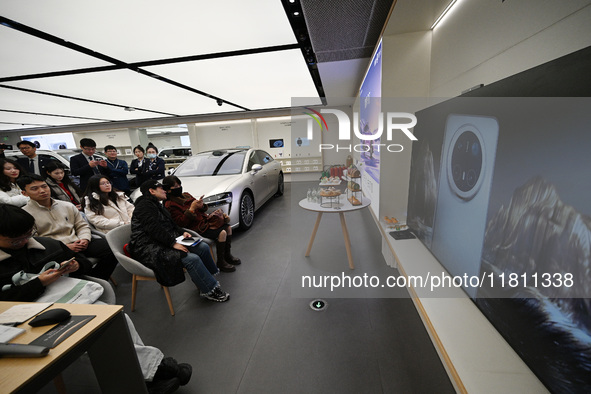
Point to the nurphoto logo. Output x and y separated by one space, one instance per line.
393 123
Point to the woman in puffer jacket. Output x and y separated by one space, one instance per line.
106 208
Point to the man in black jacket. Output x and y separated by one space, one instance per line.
20 251
86 164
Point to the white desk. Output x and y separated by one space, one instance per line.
341 208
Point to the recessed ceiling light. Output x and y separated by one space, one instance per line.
296 13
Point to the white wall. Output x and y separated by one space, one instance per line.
406 74
164 141
115 137
483 41
480 41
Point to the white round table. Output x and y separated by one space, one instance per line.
341 208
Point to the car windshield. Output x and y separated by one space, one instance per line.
208 164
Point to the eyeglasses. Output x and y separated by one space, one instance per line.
105 183
25 238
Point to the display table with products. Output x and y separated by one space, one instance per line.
341 207
106 338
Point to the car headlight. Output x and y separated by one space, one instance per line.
218 199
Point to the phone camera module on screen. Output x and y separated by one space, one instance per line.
466 161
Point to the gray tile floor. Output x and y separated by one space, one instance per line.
267 339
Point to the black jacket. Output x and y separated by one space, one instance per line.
79 166
39 251
43 161
153 234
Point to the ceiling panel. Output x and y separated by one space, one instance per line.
10 120
127 88
264 80
15 100
23 54
140 30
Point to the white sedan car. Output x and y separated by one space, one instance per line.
239 181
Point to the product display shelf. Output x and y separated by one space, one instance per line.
354 195
300 164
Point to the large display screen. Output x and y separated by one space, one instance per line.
370 124
52 141
500 188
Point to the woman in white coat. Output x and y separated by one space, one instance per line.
10 193
106 208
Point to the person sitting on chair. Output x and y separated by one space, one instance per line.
105 207
188 212
62 221
62 187
21 250
10 192
154 243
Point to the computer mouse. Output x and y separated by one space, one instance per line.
52 316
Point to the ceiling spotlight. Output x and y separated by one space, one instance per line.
292 1
219 101
297 13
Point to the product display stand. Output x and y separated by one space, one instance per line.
354 193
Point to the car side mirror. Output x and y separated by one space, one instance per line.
256 168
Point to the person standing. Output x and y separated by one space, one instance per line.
86 164
2 147
119 169
154 168
32 163
137 166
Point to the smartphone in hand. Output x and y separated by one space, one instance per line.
66 264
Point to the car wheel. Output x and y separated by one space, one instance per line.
246 211
280 186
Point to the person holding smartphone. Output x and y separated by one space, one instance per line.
22 250
189 212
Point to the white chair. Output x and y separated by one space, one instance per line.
117 239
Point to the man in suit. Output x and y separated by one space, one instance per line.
33 163
86 164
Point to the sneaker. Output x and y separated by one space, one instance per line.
217 294
165 386
184 374
168 369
